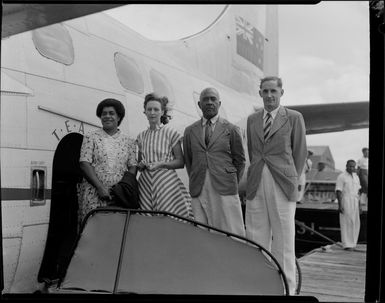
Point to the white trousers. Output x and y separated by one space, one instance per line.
270 222
350 221
223 212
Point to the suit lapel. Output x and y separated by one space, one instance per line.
197 131
259 125
278 122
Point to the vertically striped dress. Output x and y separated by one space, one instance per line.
162 189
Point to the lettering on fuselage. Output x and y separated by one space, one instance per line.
69 126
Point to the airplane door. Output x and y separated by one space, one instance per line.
62 230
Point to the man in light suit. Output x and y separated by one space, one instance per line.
215 161
277 150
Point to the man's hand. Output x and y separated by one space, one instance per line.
341 209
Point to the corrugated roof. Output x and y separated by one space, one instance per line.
318 150
319 176
321 153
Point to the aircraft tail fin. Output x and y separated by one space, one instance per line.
237 49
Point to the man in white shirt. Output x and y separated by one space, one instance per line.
363 170
347 190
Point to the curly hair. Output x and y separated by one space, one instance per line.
116 104
165 118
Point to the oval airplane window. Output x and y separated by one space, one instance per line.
222 112
54 42
161 86
128 73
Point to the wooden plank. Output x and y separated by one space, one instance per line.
324 205
334 298
334 274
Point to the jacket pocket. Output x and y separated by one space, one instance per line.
230 170
290 172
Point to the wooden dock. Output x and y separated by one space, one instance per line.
332 274
319 205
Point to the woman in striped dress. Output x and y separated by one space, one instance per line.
160 153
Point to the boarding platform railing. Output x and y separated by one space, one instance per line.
124 251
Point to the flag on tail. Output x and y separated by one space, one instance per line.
250 42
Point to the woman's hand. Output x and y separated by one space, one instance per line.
104 193
155 165
142 165
89 173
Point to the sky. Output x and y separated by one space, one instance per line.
323 54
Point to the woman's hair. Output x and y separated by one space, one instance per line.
116 104
163 102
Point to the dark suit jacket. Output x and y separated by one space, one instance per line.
125 193
284 151
224 157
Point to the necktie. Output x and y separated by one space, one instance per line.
267 127
208 132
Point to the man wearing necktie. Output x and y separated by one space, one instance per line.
276 144
215 161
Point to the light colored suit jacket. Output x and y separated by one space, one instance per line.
284 151
224 157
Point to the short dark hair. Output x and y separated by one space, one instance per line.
116 104
271 78
163 102
365 148
349 161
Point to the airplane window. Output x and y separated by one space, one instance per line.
54 42
222 111
128 73
161 86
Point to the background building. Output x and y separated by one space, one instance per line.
321 179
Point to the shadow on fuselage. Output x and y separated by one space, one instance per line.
62 230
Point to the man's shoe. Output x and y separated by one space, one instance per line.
349 248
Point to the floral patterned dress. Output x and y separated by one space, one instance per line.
110 156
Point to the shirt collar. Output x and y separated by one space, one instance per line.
158 127
349 174
273 112
213 120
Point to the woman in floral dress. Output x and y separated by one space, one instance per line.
160 153
104 157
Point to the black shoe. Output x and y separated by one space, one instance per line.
349 248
